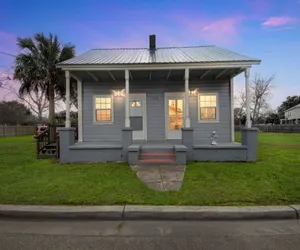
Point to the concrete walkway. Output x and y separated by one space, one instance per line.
161 177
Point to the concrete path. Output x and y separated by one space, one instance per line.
161 177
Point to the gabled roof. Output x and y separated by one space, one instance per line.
176 55
294 107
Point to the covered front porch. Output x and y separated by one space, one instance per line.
155 103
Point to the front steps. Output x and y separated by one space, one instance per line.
144 154
48 151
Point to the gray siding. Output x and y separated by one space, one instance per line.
203 131
156 110
101 132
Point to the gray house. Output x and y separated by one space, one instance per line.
156 105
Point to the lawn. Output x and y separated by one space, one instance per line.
273 179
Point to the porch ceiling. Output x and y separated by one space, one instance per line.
157 75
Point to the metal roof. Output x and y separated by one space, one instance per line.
177 55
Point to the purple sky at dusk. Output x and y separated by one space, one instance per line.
264 29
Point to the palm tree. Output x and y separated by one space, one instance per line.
35 66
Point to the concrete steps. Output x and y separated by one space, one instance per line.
157 154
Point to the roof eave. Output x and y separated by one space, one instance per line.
226 64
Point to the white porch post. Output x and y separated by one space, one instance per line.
248 120
187 121
79 97
127 120
68 122
232 108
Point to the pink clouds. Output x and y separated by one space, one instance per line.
221 31
279 21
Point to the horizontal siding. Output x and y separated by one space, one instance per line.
101 132
203 131
155 110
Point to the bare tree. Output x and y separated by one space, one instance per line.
36 99
260 93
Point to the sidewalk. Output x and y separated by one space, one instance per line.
150 212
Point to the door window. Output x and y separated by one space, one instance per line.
175 114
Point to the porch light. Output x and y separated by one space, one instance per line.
119 93
193 92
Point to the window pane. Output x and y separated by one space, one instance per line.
136 103
208 101
103 115
208 113
175 107
175 122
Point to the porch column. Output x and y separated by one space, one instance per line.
68 122
232 108
127 120
248 120
79 97
187 122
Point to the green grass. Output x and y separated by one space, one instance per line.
274 179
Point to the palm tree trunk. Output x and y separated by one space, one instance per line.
52 112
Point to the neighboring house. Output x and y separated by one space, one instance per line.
156 105
292 115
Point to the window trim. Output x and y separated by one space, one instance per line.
217 107
94 109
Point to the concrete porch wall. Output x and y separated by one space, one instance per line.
129 152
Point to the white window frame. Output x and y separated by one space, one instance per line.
112 109
217 107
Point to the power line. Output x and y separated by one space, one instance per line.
8 54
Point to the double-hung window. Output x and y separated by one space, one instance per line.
103 109
208 110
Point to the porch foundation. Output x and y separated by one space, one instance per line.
126 142
66 139
249 139
188 141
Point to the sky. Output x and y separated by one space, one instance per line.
265 29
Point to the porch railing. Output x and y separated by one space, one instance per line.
42 140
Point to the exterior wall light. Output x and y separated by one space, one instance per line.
193 92
119 93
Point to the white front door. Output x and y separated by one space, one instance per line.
138 116
174 112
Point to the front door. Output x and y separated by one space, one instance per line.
174 107
138 116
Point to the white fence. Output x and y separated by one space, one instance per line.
6 131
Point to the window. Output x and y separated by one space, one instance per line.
208 107
103 109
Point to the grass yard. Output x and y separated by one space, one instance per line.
273 180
